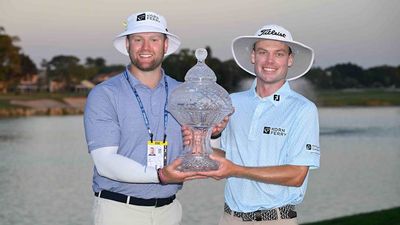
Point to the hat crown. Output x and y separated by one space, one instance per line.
148 19
274 32
144 22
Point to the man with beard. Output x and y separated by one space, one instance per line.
125 117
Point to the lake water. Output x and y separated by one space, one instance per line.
45 170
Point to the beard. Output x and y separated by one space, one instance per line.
148 66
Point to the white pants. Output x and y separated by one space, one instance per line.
108 212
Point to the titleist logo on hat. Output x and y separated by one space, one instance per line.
271 32
143 16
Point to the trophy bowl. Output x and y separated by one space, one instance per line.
199 103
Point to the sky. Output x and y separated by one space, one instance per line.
363 32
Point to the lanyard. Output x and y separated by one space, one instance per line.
144 114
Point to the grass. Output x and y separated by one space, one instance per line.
5 104
383 217
359 97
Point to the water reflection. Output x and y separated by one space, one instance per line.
358 132
6 138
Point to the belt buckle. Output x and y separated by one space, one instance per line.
287 212
257 216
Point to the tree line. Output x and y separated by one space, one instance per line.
349 75
66 68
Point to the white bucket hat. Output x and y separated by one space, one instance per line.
242 48
146 22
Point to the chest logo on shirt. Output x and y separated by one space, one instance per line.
274 131
277 98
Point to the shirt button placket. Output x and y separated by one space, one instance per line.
255 121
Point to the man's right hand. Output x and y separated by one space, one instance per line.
186 135
170 174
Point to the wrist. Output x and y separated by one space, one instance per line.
161 176
237 171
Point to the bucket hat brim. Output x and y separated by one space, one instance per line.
120 40
242 48
135 26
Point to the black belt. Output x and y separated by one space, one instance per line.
157 202
286 212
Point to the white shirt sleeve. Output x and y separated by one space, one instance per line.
117 167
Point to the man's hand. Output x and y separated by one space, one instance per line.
226 168
171 174
218 128
186 135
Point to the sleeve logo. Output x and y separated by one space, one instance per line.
312 148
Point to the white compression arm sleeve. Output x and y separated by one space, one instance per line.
117 167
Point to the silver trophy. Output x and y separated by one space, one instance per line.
199 103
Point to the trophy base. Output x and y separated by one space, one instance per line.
197 163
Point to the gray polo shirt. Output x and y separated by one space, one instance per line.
113 118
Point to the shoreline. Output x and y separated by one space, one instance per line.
42 104
26 112
44 107
16 112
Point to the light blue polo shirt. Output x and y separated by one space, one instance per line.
113 118
281 129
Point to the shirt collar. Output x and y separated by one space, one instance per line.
276 98
135 82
